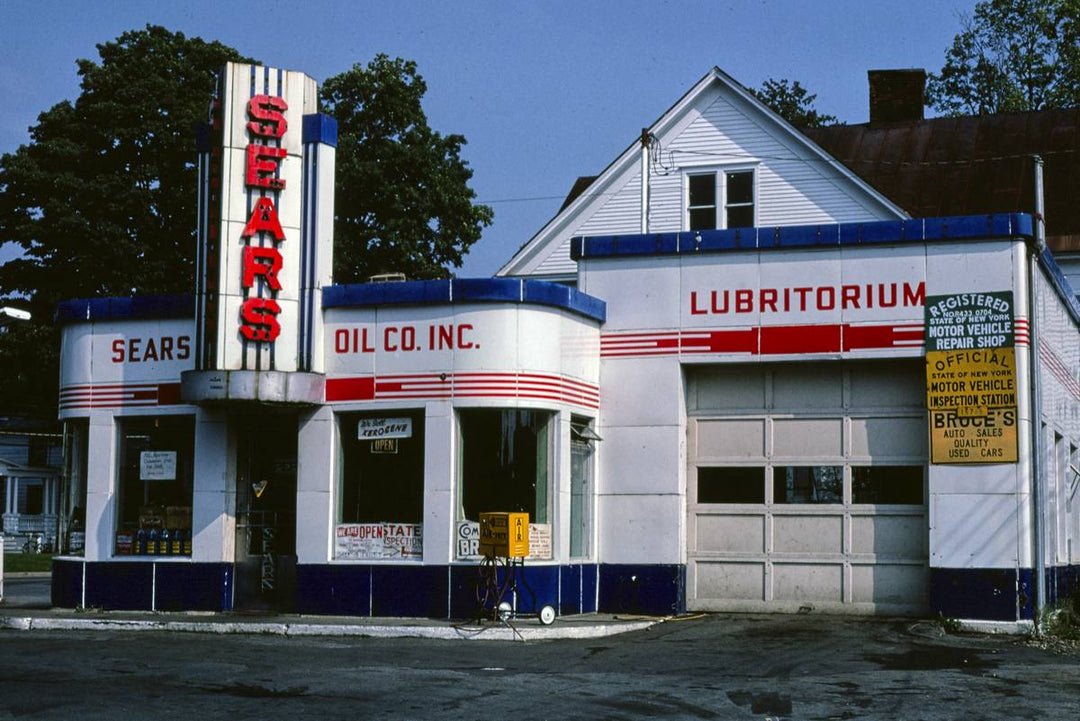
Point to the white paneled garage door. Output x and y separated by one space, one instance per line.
807 488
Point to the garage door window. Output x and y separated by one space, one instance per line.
887 484
731 485
808 484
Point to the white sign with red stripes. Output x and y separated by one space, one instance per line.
476 352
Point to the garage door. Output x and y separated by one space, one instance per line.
806 488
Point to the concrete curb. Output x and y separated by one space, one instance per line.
467 632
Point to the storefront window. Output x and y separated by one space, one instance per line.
155 485
382 486
582 443
504 465
73 513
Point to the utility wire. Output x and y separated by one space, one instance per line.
662 168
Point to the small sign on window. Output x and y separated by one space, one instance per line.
375 428
157 466
384 445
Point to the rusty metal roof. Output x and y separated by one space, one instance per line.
970 165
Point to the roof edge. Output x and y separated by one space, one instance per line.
880 232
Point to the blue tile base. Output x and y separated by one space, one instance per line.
450 591
436 591
142 586
988 594
652 590
996 594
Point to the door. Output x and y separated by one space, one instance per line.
265 513
807 488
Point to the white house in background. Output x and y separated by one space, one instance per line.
29 487
718 158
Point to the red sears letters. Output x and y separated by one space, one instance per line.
258 315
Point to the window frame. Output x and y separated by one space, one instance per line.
582 509
345 422
185 471
551 428
720 184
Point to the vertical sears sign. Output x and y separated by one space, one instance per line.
266 217
971 377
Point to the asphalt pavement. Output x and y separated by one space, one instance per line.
712 666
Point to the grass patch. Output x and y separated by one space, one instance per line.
1063 620
27 562
949 625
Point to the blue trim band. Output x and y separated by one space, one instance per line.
320 128
465 290
1061 284
915 230
134 308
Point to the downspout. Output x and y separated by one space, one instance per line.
644 180
1037 461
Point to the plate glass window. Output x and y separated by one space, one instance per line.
504 464
155 483
582 445
381 507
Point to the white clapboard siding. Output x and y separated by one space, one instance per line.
719 128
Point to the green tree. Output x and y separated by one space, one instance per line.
1010 56
102 200
402 199
793 103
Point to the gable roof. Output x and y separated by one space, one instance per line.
548 239
970 165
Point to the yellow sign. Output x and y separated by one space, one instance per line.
971 397
504 534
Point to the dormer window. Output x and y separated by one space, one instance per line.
720 199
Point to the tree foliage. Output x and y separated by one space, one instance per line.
102 201
402 200
793 103
1010 56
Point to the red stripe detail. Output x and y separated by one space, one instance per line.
465 385
771 340
780 339
168 394
871 336
730 341
350 389
116 395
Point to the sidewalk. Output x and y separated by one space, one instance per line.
582 626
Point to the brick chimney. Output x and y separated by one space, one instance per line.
896 95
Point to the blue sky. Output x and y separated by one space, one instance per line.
542 91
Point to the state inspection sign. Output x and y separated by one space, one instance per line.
971 378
